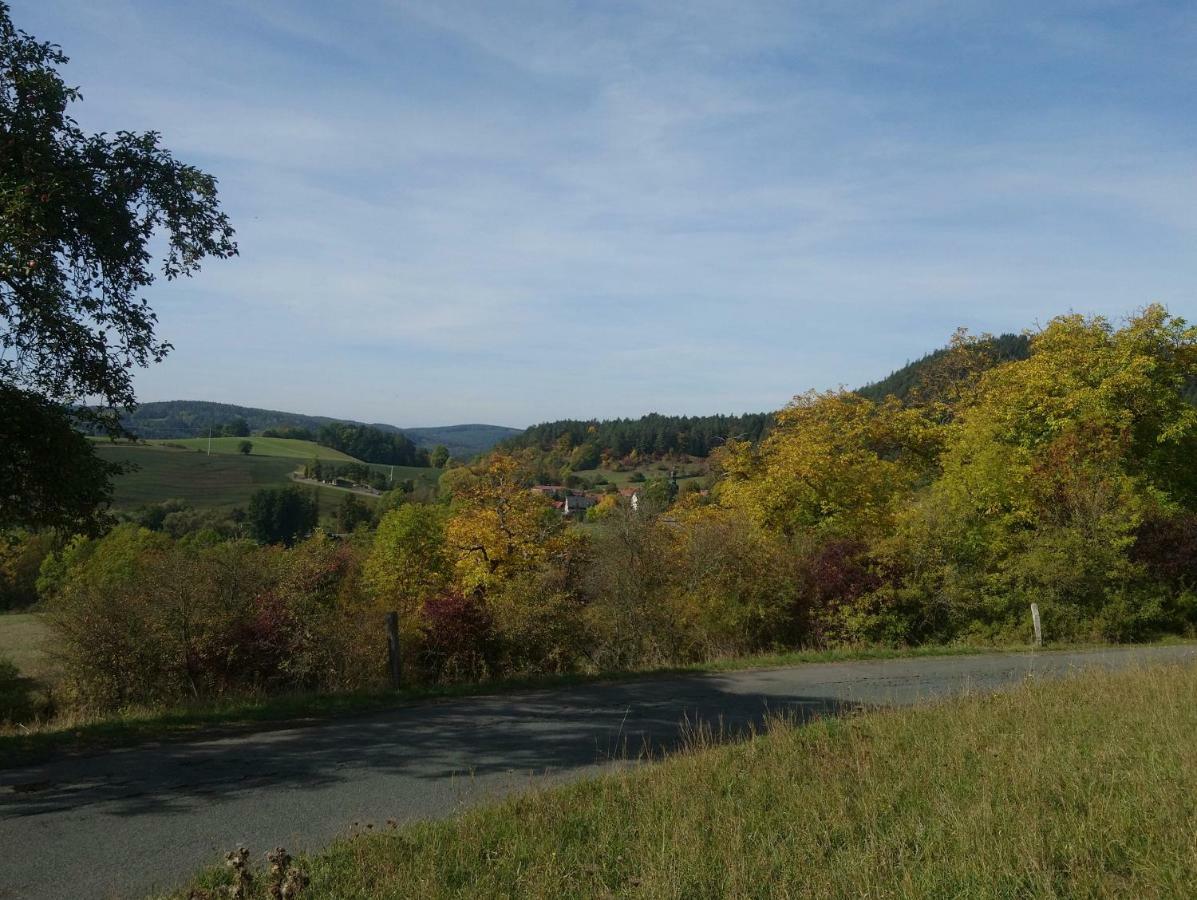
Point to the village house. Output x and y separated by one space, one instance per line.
577 505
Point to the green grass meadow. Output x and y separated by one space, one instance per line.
650 470
284 448
227 478
1085 787
24 639
217 481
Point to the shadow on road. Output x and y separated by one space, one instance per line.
529 733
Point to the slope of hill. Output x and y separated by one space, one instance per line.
282 448
1008 346
698 435
164 473
175 419
902 381
221 480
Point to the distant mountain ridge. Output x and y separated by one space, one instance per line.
462 441
173 419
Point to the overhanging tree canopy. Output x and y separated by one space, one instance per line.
78 215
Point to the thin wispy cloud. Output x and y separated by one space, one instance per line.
510 213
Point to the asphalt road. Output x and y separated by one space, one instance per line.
131 822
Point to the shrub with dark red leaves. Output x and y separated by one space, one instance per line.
459 641
1167 546
835 575
839 571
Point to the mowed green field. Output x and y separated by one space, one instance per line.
650 471
205 482
23 640
283 448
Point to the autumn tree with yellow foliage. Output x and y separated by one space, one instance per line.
835 463
996 485
498 528
1050 470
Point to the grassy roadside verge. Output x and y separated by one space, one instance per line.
1078 787
21 745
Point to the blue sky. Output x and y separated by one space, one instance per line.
514 212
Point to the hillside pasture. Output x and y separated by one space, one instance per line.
23 640
221 480
687 471
281 448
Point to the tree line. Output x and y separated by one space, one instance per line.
653 434
372 445
1065 479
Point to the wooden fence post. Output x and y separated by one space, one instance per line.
393 662
1036 624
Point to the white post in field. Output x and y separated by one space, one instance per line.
1035 622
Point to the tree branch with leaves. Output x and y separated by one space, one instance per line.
79 214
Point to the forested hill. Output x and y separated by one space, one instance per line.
651 434
170 419
1007 346
698 435
900 383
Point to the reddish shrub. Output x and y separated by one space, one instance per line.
839 571
836 574
459 637
1167 546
